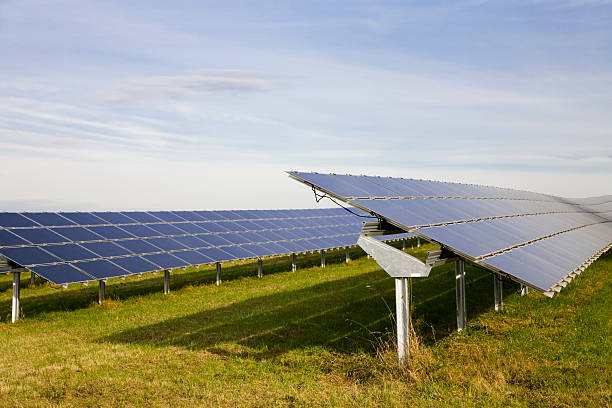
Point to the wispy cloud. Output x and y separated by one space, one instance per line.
193 84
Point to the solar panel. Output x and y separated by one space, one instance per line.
15 220
136 264
537 239
111 232
77 234
193 257
70 252
40 236
166 261
61 273
100 269
105 249
7 238
49 219
83 218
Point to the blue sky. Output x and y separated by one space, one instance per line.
190 104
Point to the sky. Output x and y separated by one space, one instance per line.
115 105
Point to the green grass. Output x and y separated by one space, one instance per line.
317 337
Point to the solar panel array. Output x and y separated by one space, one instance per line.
540 240
69 247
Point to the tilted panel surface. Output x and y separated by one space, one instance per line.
540 240
81 246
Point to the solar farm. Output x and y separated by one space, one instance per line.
405 292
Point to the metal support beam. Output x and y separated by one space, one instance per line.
498 291
524 290
15 303
101 291
322 258
347 254
166 282
293 263
402 316
259 267
460 293
32 279
418 242
218 264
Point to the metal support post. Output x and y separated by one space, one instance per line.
460 294
404 244
322 258
497 291
418 242
293 263
402 312
218 264
259 268
347 254
15 303
166 281
101 291
32 279
524 290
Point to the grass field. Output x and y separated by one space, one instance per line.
317 337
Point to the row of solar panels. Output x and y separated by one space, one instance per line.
109 244
123 262
494 232
351 187
201 218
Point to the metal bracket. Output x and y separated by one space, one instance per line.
396 263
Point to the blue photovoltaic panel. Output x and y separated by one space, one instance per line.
70 252
9 239
209 215
213 227
49 219
111 232
136 264
83 218
214 240
166 229
166 216
61 273
77 234
115 217
193 257
15 220
188 215
39 235
166 244
235 238
218 254
140 231
191 242
101 269
138 246
258 250
189 228
166 261
105 249
25 256
141 216
238 252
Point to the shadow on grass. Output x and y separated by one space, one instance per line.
344 315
